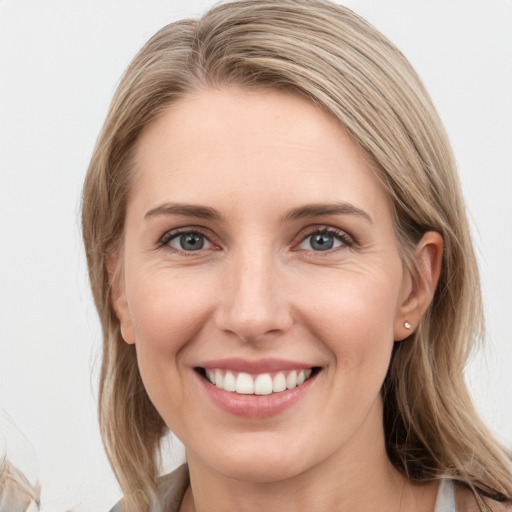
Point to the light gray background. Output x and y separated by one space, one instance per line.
59 64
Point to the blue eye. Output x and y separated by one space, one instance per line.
325 240
187 241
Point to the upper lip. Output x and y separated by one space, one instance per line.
266 365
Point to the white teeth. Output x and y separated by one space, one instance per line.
291 380
218 379
262 384
244 384
279 383
229 382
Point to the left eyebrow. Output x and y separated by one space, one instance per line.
317 210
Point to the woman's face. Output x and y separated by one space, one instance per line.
259 251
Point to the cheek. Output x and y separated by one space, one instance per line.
166 309
167 313
355 318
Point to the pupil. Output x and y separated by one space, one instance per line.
322 242
191 242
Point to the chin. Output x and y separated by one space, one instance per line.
256 462
263 471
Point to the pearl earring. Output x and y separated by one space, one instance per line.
407 325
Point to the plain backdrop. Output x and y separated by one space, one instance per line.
60 62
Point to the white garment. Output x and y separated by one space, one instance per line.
445 501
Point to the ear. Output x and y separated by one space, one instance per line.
118 298
418 290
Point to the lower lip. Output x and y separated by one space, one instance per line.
256 406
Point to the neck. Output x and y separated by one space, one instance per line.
312 491
356 478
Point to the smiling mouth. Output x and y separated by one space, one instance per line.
242 383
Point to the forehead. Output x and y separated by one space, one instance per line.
236 142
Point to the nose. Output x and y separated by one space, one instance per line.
253 302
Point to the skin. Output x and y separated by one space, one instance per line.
258 288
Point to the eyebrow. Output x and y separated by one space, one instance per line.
307 211
187 210
317 210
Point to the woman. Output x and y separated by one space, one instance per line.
280 258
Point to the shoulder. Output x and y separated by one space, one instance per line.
171 489
466 502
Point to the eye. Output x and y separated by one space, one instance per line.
187 241
325 239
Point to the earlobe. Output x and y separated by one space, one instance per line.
420 288
118 298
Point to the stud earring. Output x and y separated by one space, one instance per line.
407 325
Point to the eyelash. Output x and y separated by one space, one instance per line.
346 240
171 235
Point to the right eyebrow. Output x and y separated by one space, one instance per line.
186 210
317 210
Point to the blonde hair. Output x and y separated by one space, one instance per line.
17 494
333 58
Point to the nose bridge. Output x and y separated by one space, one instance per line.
254 302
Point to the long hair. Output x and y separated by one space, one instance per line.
330 56
17 494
